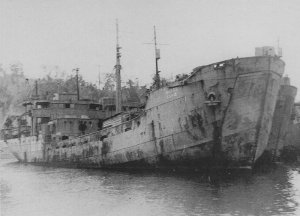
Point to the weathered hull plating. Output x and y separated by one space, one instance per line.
180 127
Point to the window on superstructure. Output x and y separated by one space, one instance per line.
71 125
67 105
112 108
94 106
65 137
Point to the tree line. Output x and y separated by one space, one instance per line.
15 87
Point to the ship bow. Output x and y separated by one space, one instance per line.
248 117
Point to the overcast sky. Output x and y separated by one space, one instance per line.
77 33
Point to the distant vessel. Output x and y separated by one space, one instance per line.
282 119
219 115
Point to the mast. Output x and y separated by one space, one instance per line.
77 83
36 88
157 57
118 72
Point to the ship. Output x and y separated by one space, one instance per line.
282 123
217 116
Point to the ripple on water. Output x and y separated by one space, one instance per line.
32 190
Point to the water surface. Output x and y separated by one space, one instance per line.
35 190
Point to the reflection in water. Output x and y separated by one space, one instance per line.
32 190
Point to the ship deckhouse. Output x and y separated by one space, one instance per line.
63 117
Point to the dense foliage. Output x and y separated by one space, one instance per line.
15 87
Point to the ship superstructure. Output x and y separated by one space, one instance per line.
48 121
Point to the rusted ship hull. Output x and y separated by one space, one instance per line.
219 116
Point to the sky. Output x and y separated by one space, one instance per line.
75 33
